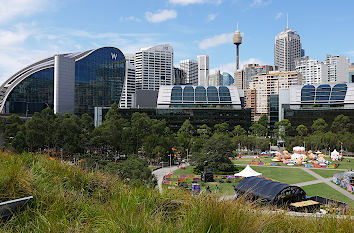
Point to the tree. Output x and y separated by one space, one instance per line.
302 130
258 129
263 120
12 125
221 128
204 131
216 151
184 136
282 128
319 126
238 131
341 124
19 142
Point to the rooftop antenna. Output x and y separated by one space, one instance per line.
237 25
287 21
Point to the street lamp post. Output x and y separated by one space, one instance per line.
187 155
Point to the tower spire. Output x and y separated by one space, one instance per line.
287 21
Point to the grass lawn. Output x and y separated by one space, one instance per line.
285 175
325 173
325 190
223 188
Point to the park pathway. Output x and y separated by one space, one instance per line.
161 172
328 181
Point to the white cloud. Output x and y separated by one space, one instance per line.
212 17
10 9
130 18
216 40
15 37
231 67
188 2
259 3
351 53
160 16
279 15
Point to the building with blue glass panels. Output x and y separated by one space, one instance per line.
227 79
198 97
74 82
304 104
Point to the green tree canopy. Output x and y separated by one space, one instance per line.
238 131
258 129
341 124
319 126
302 130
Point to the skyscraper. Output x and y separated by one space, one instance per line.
128 93
154 67
287 48
190 67
215 79
179 76
312 71
203 70
337 68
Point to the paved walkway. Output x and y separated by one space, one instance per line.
328 181
160 173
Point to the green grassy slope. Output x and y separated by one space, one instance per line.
68 199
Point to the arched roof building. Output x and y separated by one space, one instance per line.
72 82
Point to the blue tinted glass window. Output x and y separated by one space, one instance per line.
322 93
99 79
176 94
224 94
338 92
212 94
33 94
308 93
200 94
188 94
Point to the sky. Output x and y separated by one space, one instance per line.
31 30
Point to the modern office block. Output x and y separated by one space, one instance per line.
287 48
127 99
154 67
98 81
203 70
337 68
190 68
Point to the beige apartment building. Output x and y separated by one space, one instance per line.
266 85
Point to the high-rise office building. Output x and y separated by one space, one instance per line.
154 67
243 77
215 79
287 48
179 76
128 94
268 84
203 70
312 71
227 79
190 67
337 68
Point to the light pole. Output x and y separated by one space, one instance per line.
170 163
187 155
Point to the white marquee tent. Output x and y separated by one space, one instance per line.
248 172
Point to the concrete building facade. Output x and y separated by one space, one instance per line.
154 67
312 71
203 70
215 79
337 68
127 99
287 48
190 67
269 84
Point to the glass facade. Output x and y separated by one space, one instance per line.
99 80
324 94
338 93
224 94
188 94
200 94
212 94
308 93
176 94
33 94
